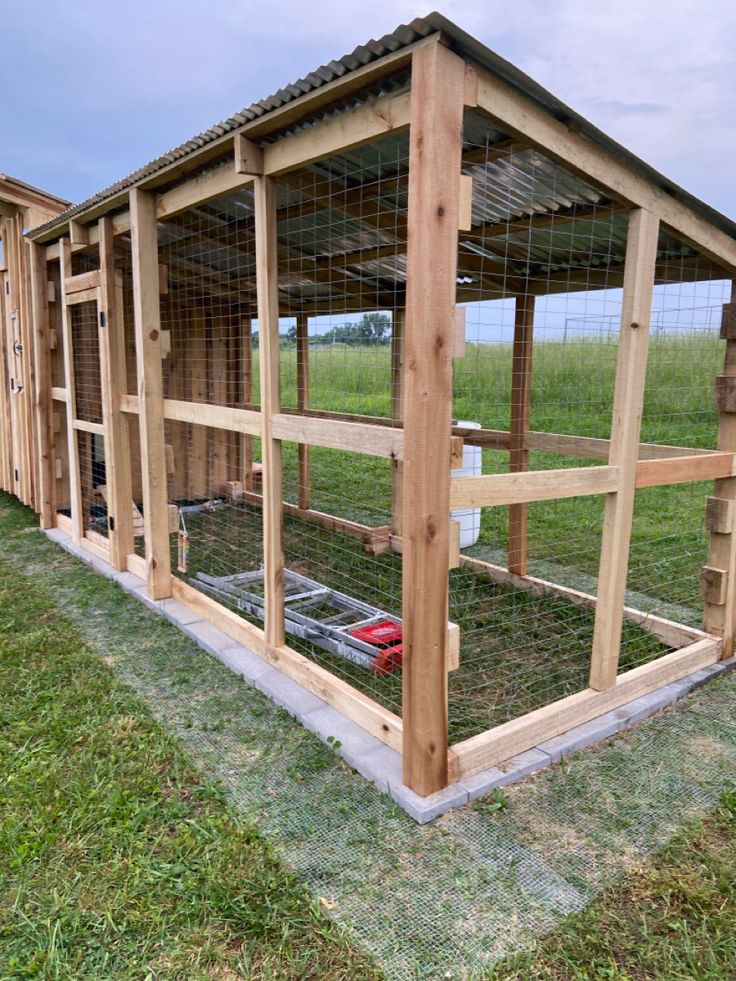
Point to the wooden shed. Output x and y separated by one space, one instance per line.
414 383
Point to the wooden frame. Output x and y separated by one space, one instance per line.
279 148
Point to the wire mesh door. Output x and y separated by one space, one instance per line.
85 392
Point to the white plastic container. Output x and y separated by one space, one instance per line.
469 518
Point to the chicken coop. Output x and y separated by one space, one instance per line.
414 383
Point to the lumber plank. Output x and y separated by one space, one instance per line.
436 110
268 320
628 404
496 745
302 402
147 317
491 490
358 707
83 282
75 488
355 437
45 440
521 392
113 377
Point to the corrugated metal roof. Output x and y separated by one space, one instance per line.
372 51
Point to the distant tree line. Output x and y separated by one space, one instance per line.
372 329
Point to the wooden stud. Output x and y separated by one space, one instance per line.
246 354
460 329
302 403
521 389
398 329
75 488
726 393
45 447
714 585
268 320
628 403
720 617
113 370
728 322
147 315
465 217
492 490
719 515
437 92
248 156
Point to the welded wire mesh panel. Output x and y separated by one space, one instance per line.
92 479
86 354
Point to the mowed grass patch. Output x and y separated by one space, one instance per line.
671 918
117 858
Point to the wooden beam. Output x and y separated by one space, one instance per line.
83 281
302 402
519 116
521 392
147 316
398 327
45 441
75 488
720 617
353 437
496 745
684 469
113 378
246 348
437 94
491 490
628 404
268 356
248 156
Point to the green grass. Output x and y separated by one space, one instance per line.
118 859
671 918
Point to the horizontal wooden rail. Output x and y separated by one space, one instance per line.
84 281
361 709
355 437
82 296
598 449
498 744
684 469
58 394
89 427
214 416
535 485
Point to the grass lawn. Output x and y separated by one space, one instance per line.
672 918
117 858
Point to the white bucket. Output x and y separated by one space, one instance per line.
469 518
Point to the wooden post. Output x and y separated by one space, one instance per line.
521 390
628 402
437 89
147 315
75 487
246 347
118 477
42 390
397 411
268 357
302 401
720 617
198 457
218 363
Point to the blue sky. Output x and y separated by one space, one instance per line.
91 90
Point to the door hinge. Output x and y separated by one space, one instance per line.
110 522
102 318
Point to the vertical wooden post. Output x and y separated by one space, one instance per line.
4 407
114 385
42 391
628 403
218 362
437 89
75 487
398 322
302 401
198 456
521 391
147 315
246 347
268 357
720 617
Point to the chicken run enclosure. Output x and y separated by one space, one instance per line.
410 380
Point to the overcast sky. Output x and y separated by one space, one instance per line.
90 90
